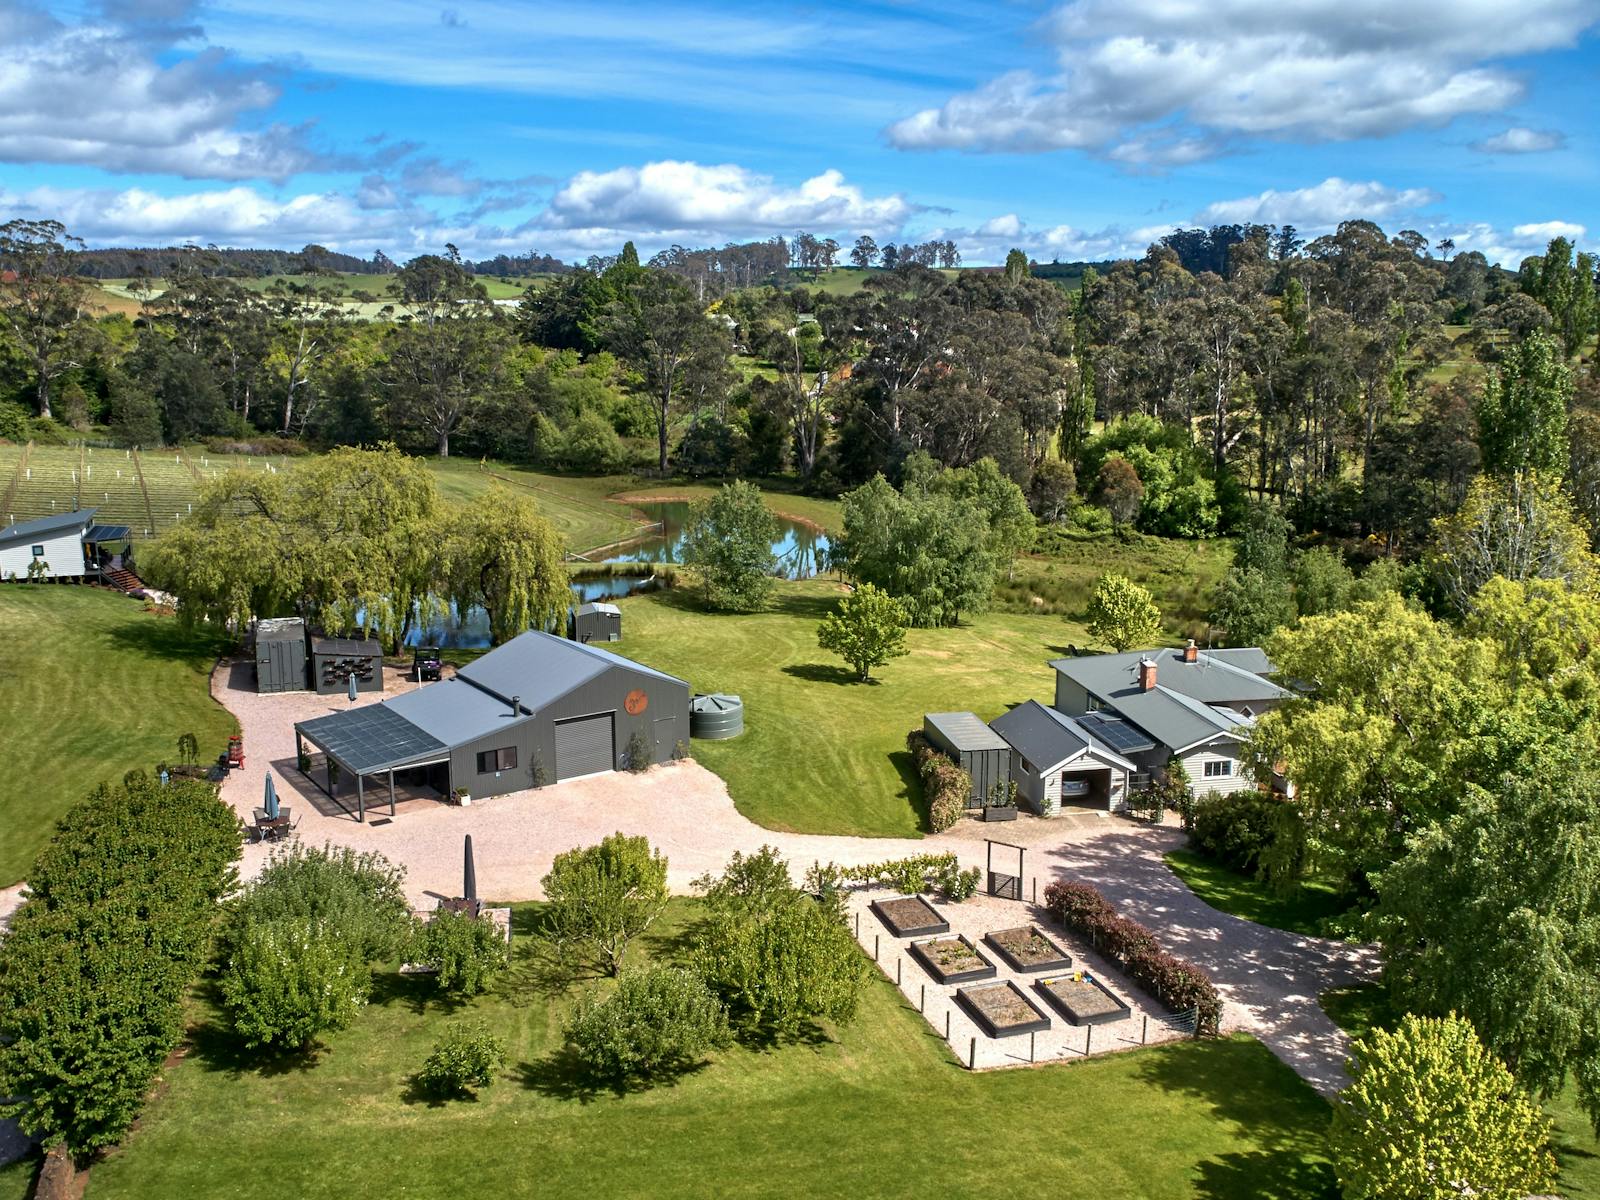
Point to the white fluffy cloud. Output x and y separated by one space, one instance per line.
113 95
1321 206
1543 231
1175 81
721 199
234 216
1520 140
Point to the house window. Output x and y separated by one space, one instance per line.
504 759
1218 768
38 551
1092 704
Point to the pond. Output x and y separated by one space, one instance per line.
455 631
801 550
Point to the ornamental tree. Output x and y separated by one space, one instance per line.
1122 613
1432 1115
602 897
729 538
866 630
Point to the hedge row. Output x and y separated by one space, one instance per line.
95 967
945 786
1178 984
1253 833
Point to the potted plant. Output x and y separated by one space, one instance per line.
1001 802
463 797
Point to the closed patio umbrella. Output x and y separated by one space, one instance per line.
270 803
352 688
469 874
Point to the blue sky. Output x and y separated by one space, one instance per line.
1080 130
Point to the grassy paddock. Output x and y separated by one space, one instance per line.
876 1109
90 686
1366 1007
1307 909
822 753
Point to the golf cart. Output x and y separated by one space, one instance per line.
425 664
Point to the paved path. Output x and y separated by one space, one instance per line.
1269 979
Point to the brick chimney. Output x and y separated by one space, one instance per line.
1191 652
1147 674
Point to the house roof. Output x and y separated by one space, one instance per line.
1048 739
44 526
1248 658
964 731
1226 677
374 738
611 610
453 711
540 668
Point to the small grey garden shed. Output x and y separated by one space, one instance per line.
973 746
334 661
281 655
595 623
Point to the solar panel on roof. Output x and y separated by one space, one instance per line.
1119 735
371 738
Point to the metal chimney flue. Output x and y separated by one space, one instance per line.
516 705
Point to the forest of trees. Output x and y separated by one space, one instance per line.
1359 379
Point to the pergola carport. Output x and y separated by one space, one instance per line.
367 741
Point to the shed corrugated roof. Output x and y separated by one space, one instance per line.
964 731
55 523
610 610
454 711
541 668
327 645
374 738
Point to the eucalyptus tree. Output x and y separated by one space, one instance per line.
44 301
306 322
444 351
656 326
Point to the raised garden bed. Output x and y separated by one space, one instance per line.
1002 1009
1028 949
1000 814
1084 1001
952 960
910 916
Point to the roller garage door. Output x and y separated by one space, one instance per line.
585 745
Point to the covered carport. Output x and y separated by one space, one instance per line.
370 742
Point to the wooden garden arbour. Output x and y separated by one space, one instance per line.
1007 887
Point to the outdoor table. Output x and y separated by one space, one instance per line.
458 905
268 828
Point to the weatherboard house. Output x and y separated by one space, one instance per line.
1153 706
70 545
538 709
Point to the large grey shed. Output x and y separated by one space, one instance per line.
973 746
595 623
281 655
536 710
334 661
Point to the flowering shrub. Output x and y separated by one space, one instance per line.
1176 983
945 786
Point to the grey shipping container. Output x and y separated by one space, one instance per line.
281 655
974 747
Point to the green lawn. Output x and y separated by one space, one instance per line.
1361 1009
822 753
1304 910
90 686
882 1111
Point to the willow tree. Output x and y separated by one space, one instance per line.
346 539
502 555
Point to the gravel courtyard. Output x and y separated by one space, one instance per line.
1269 978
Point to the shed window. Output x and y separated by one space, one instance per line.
503 759
1218 768
38 551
